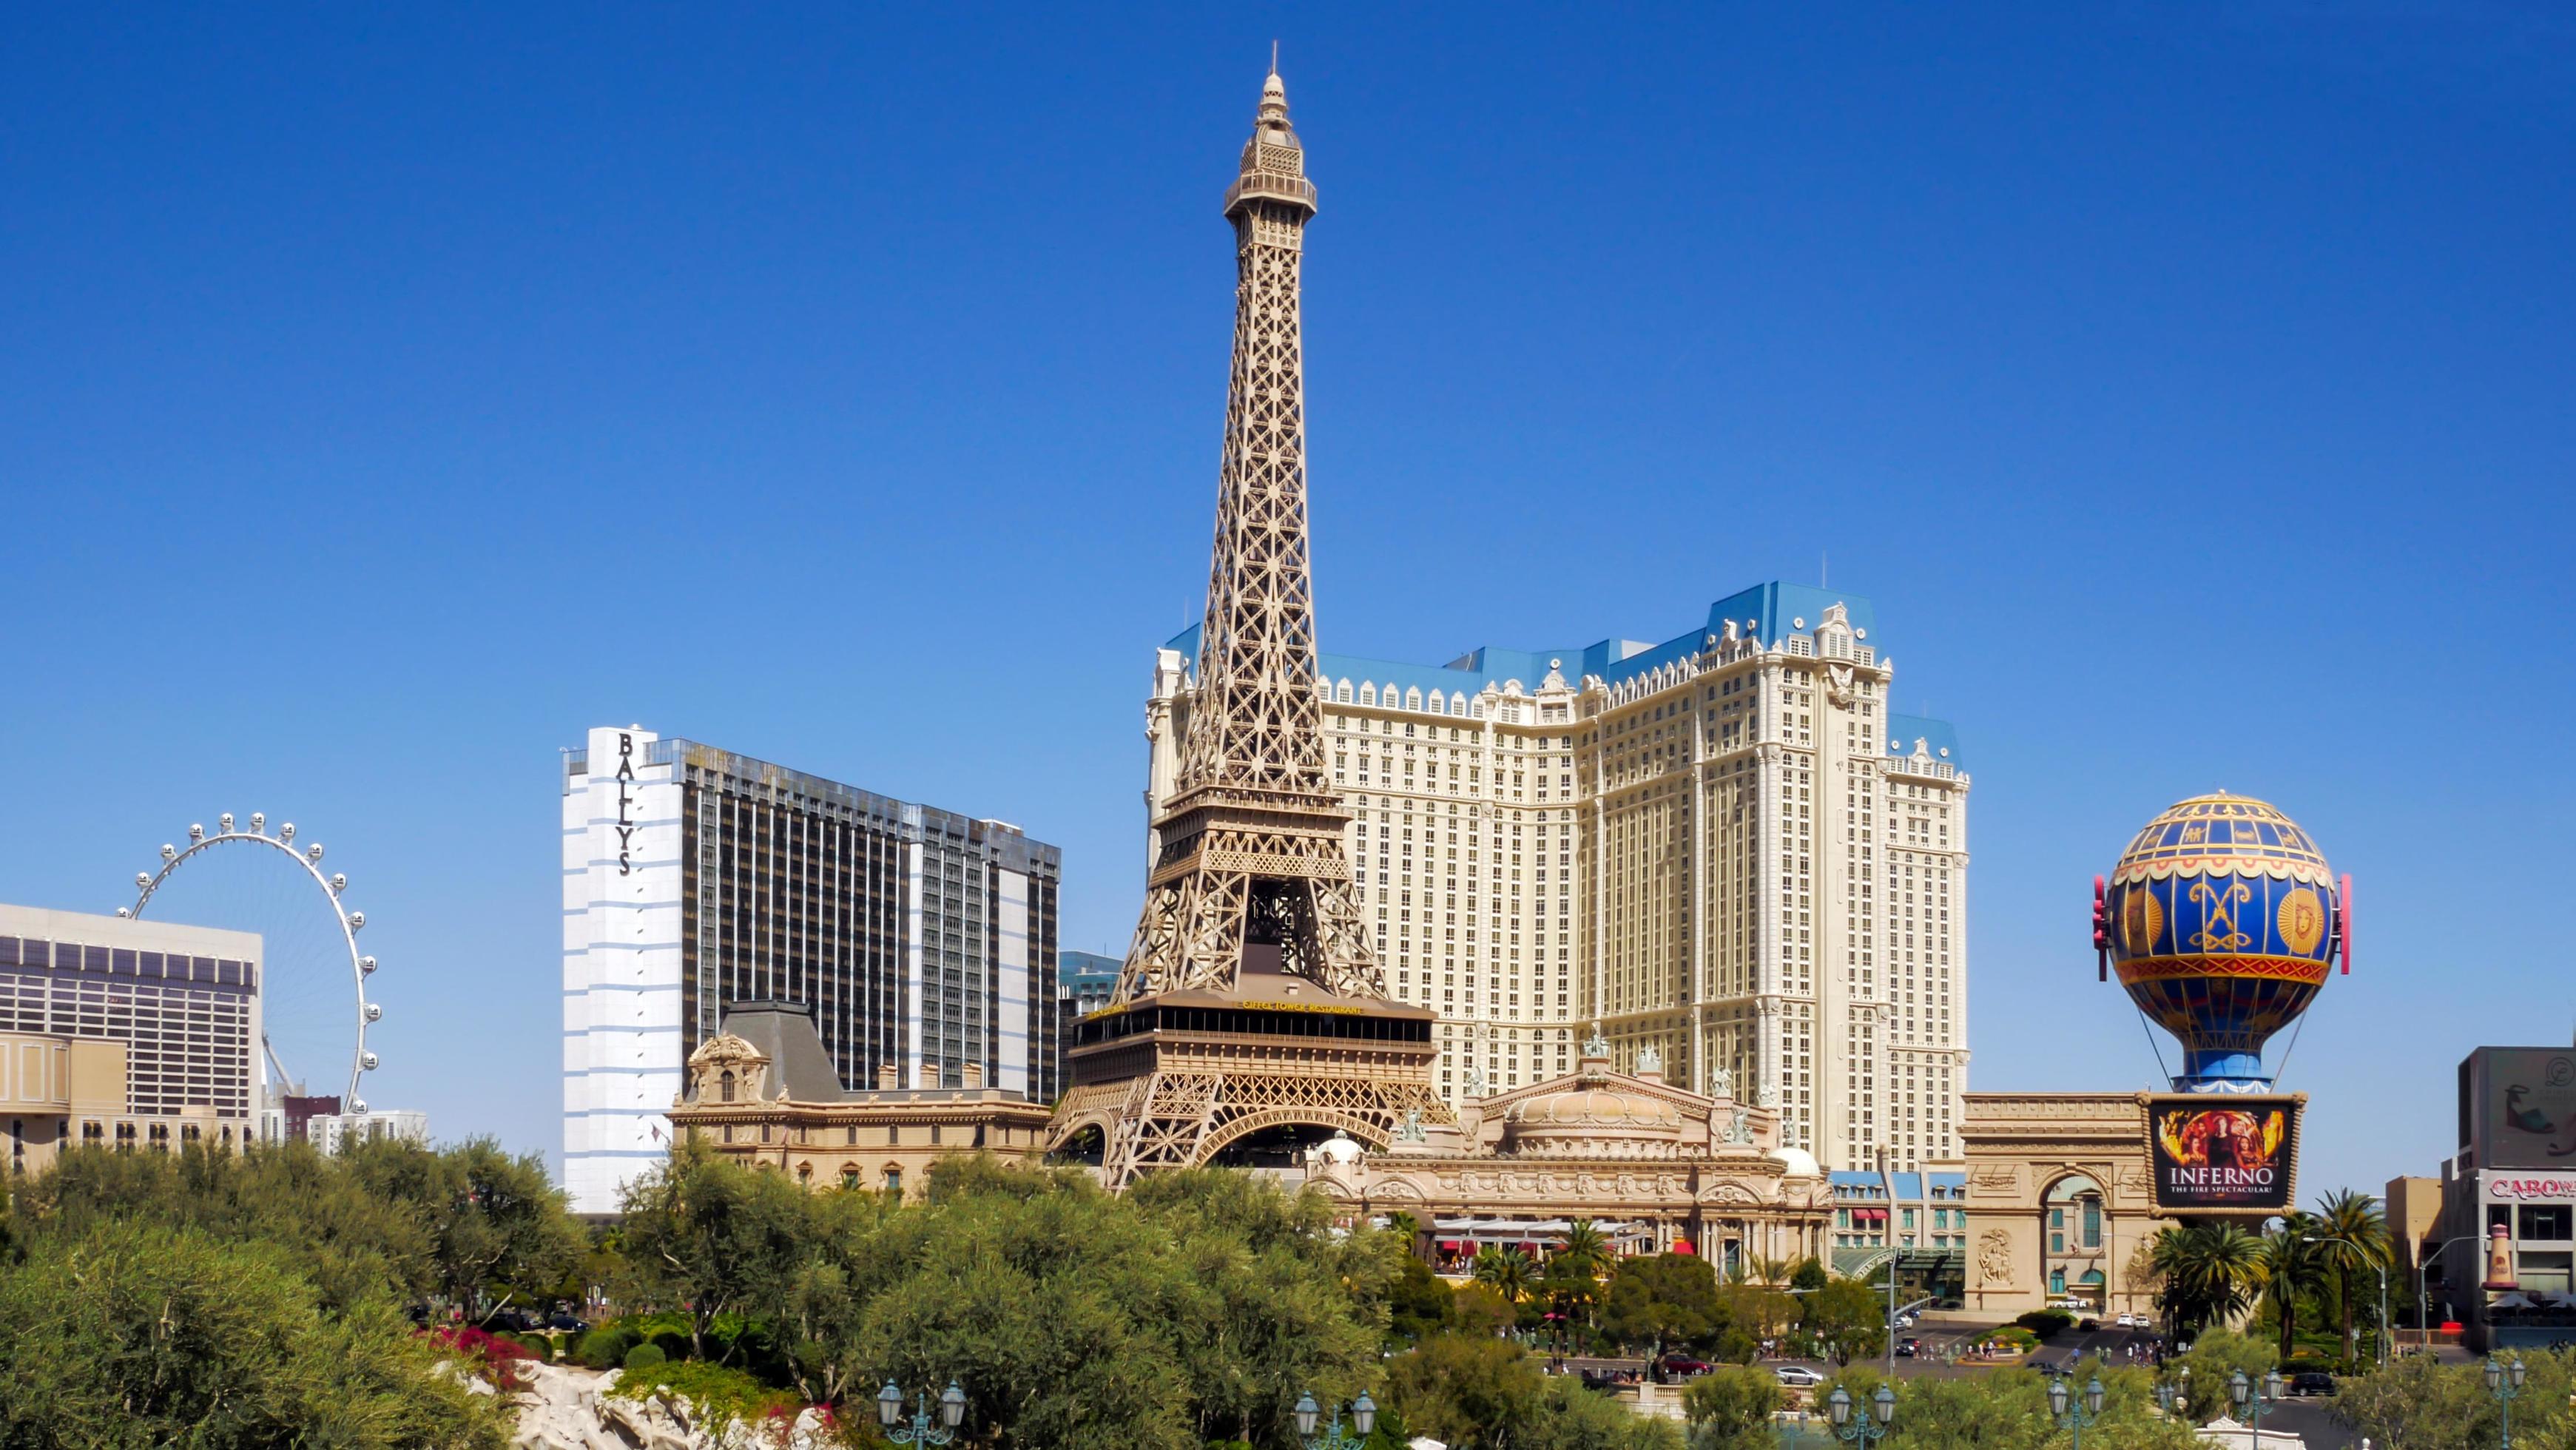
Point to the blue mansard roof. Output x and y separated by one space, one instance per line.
1768 612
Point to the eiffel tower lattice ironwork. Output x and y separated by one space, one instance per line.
1252 892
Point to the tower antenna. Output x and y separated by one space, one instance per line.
1274 57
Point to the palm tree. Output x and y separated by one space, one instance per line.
2293 1264
1408 1229
1504 1271
2209 1271
2360 1227
1586 1250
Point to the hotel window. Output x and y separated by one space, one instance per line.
2545 1221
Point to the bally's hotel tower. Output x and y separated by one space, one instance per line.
695 878
1727 850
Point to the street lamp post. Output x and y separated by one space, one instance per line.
2175 1394
2252 1400
2073 1416
1363 1419
952 1409
2423 1301
1853 1424
2504 1381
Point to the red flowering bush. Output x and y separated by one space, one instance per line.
488 1357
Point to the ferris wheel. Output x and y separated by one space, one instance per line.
314 1010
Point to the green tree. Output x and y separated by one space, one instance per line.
2418 1403
1586 1249
2353 1235
2216 1357
1660 1300
709 1237
1505 1271
1809 1275
1486 1394
133 1334
1849 1315
1761 1312
1477 1309
2209 1271
1419 1305
1730 1407
1272 1300
2293 1267
496 1225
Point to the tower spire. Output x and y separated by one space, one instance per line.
1253 742
1203 1042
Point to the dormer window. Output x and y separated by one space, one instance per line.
724 1087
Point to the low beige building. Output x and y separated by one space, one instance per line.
2060 1205
762 1090
57 1092
1658 1166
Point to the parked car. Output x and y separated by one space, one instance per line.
1798 1375
568 1323
2131 1321
2087 1326
1908 1347
1684 1364
2312 1382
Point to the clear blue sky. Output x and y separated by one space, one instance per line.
390 396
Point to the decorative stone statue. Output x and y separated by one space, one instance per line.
1994 1257
1740 1130
1768 1097
1649 1060
1721 1082
1596 1045
1475 1082
1411 1129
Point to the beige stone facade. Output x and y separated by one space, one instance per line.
764 1094
1727 848
59 1092
1661 1164
2060 1205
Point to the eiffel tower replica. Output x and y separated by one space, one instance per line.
1250 1011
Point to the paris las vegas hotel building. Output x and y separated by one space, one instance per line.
1725 847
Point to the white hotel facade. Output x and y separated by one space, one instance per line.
1726 850
696 878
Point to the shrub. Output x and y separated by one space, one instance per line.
673 1344
645 1356
604 1347
2045 1322
493 1359
724 1397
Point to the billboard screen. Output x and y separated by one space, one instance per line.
2523 1107
2213 1154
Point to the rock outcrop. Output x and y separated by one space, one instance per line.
566 1407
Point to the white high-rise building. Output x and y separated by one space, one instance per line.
1726 850
696 879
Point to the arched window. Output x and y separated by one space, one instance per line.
805 1174
1342 692
724 1086
893 1179
1413 698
